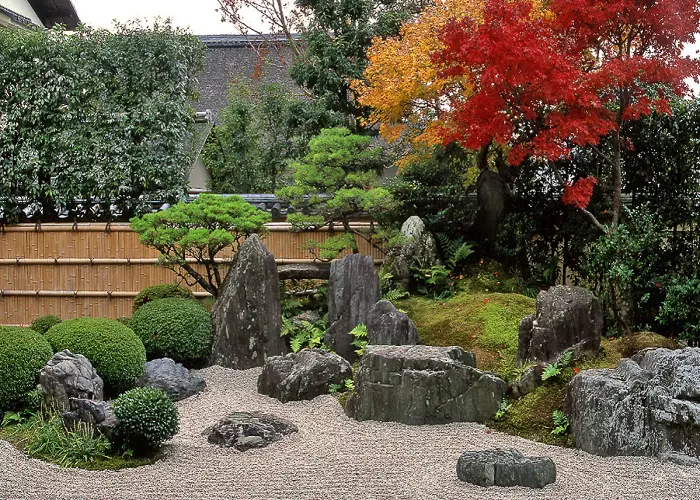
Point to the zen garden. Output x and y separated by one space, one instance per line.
449 249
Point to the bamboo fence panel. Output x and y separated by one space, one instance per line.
85 270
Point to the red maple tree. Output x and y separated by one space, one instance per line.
545 82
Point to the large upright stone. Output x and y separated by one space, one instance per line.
648 405
353 288
247 317
568 317
423 385
388 326
69 375
418 251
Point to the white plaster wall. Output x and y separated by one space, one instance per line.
22 7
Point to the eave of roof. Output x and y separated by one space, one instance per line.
52 12
225 41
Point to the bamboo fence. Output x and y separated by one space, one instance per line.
92 269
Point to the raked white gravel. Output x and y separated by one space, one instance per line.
333 457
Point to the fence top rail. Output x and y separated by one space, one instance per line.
125 227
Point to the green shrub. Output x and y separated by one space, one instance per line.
679 312
175 328
43 323
23 352
115 350
147 418
156 292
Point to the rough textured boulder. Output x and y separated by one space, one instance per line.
69 375
247 317
246 430
423 385
567 317
172 378
388 326
530 380
648 405
353 288
302 375
96 413
505 467
419 251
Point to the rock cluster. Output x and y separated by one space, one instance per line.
172 378
247 317
353 289
505 467
423 385
246 430
419 251
648 405
302 375
69 375
567 317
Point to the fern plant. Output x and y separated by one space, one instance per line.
391 292
561 423
554 370
359 339
502 410
454 251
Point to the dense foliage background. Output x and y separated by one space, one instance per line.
96 115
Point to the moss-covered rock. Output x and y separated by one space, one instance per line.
23 352
115 351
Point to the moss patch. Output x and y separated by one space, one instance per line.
485 323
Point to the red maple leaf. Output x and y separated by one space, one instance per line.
579 193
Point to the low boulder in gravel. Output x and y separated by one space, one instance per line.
98 414
423 385
353 288
567 318
69 375
172 378
302 375
649 405
246 430
505 467
388 326
247 317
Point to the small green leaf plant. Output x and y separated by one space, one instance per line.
347 385
359 339
561 423
552 371
502 410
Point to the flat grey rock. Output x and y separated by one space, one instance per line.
172 378
423 385
505 467
247 430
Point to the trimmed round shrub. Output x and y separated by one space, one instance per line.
147 418
43 323
115 351
155 292
23 352
175 328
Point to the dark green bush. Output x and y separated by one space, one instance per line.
147 418
680 311
43 323
115 350
175 328
156 292
23 352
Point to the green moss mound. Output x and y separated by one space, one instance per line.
157 292
147 418
115 351
43 323
175 328
23 352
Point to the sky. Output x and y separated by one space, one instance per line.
199 15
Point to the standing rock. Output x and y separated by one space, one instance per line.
419 251
567 317
69 375
388 326
302 375
247 317
97 414
172 378
246 430
353 289
505 467
648 405
423 385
